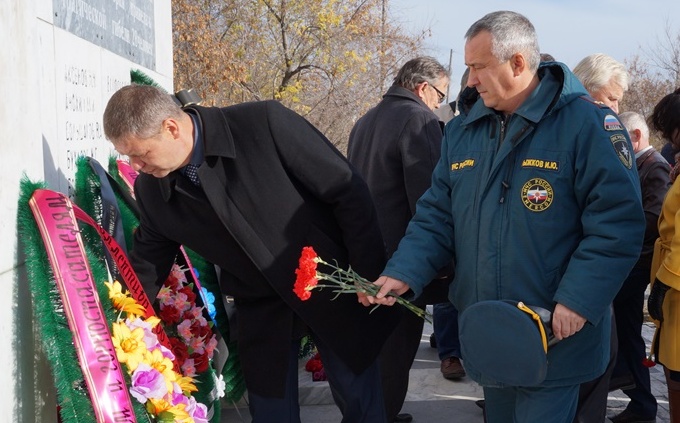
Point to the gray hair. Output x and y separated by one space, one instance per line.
419 70
597 70
633 121
138 110
511 33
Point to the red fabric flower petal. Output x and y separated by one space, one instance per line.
648 362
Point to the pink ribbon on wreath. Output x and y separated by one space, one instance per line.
129 175
102 372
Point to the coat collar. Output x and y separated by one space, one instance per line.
218 142
217 137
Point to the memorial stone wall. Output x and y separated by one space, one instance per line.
61 60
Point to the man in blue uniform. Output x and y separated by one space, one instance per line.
537 199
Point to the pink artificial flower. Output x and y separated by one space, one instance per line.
188 368
147 382
184 329
197 410
210 346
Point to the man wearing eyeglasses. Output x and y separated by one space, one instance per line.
395 147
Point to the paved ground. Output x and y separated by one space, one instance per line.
433 399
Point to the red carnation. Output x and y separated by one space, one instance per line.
648 362
306 274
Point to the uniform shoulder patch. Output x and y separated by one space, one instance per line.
620 144
611 123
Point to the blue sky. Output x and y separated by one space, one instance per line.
567 29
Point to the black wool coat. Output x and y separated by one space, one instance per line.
271 184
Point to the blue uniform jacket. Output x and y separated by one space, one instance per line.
543 208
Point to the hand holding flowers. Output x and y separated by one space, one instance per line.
341 281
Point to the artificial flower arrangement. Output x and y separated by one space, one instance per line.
341 281
154 381
191 334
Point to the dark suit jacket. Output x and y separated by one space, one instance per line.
271 183
395 146
654 173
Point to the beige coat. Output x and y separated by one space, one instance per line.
666 268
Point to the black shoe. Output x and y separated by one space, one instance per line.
480 403
628 417
403 418
433 341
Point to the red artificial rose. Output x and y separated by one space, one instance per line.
305 274
191 297
200 331
648 362
201 362
181 351
170 315
172 282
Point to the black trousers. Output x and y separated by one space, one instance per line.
359 397
592 396
628 306
396 358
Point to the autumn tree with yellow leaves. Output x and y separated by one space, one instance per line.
329 60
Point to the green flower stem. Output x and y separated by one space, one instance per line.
348 282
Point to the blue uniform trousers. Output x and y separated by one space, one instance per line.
531 405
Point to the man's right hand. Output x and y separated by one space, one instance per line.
386 285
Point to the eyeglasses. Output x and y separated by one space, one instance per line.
440 95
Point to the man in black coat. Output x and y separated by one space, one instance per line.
395 147
268 183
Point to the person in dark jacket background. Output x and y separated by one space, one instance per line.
654 174
247 187
395 146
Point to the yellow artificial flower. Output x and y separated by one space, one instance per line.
122 301
130 345
186 384
165 412
153 321
164 365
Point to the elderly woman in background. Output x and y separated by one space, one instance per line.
605 79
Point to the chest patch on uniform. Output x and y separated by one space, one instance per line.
462 164
611 123
621 147
541 164
537 194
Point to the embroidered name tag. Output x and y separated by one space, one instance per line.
462 164
541 164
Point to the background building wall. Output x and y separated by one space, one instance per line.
60 62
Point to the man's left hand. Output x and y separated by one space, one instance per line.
566 322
